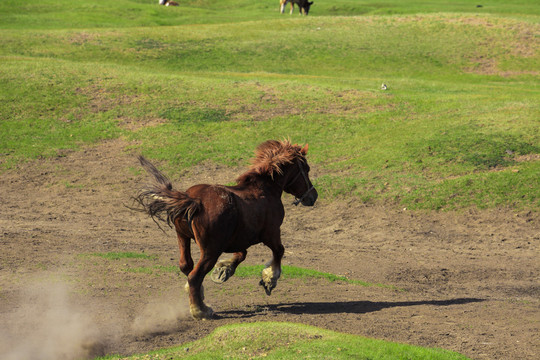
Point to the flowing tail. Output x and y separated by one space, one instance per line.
160 199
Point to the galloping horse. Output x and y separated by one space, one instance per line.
229 219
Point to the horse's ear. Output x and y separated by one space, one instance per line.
304 149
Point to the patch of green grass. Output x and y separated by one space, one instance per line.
148 265
271 340
482 190
168 269
70 185
139 270
293 272
122 255
155 269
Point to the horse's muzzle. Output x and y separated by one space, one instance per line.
310 198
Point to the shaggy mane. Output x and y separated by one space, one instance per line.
270 157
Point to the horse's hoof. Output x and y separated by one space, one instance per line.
268 281
205 313
221 274
267 287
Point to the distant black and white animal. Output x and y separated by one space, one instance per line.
304 5
168 3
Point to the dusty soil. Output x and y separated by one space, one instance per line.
467 282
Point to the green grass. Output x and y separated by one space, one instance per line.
89 14
457 127
121 255
153 270
271 340
149 267
293 272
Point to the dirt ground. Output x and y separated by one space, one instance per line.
467 281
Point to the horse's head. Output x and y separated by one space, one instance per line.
307 6
298 182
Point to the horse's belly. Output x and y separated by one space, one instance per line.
241 244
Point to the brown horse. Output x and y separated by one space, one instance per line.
229 219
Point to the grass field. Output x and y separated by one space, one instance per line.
458 125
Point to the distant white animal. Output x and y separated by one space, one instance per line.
383 87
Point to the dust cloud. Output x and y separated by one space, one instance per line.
45 325
161 316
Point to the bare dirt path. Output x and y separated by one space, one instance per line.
470 281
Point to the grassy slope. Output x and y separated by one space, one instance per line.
292 341
457 127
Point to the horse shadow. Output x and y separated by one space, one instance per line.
340 307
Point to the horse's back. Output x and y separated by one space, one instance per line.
216 201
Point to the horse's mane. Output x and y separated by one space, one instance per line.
270 157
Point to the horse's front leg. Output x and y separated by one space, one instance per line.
272 272
225 268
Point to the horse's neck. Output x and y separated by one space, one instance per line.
263 186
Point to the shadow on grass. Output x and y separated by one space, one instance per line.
340 307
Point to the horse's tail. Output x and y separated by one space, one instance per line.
159 198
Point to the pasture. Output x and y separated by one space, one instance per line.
426 231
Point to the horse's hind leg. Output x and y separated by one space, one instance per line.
225 268
272 272
186 262
197 307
